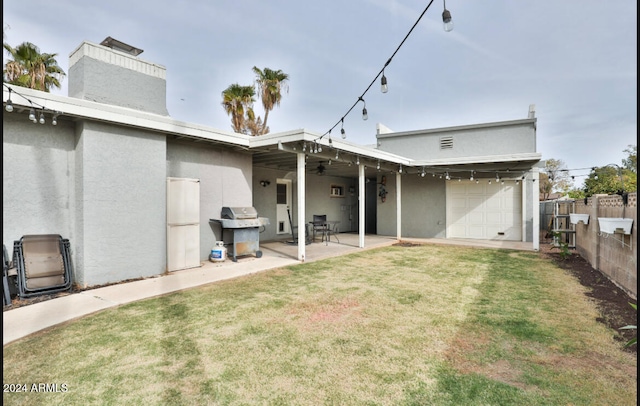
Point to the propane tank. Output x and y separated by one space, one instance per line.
218 252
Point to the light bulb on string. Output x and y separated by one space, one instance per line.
365 116
446 18
9 106
383 84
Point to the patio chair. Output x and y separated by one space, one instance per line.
332 230
294 232
43 264
319 225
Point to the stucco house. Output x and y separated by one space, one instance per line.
115 164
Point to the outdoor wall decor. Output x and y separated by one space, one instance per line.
610 225
575 218
383 192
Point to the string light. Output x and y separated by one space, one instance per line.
383 81
35 118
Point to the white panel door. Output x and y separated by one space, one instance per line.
487 211
283 206
183 223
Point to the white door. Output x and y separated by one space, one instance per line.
483 210
283 202
183 223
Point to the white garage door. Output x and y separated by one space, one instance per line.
484 211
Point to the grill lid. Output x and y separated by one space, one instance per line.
239 213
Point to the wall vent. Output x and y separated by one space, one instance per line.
446 142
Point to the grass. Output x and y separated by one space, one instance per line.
427 325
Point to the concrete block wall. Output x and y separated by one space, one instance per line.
615 255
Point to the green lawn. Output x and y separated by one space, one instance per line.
424 325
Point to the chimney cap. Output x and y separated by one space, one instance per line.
121 46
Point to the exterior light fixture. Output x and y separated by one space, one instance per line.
32 115
41 118
400 169
54 120
447 177
446 18
378 166
344 134
471 177
383 83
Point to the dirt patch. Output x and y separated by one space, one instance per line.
611 300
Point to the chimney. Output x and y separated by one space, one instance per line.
532 111
112 73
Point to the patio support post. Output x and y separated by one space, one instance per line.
302 204
524 212
398 206
361 206
535 200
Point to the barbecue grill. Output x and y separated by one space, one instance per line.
244 224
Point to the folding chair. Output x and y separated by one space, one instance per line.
43 264
319 225
9 274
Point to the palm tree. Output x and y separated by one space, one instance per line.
238 103
32 69
270 84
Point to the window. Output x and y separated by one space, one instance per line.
336 191
281 193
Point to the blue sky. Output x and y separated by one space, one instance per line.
576 60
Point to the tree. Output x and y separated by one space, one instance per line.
238 102
610 179
32 69
270 84
631 162
554 178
